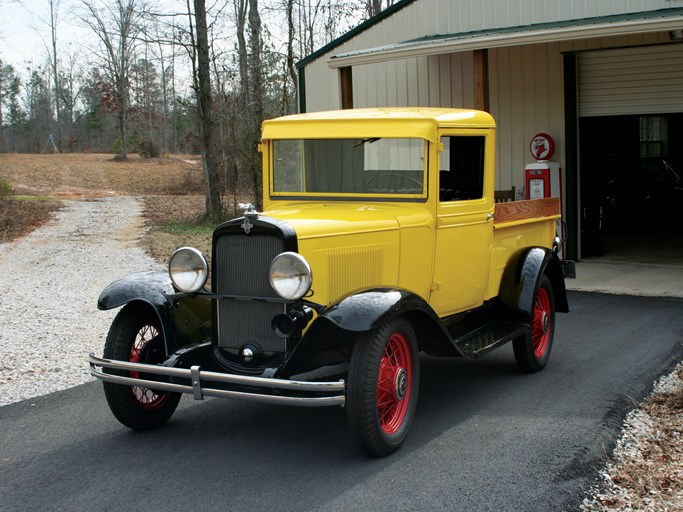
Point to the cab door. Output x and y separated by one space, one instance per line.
464 220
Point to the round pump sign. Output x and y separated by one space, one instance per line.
542 146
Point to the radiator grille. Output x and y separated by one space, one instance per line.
242 265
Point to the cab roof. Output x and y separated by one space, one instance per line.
375 122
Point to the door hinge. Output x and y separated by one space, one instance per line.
436 286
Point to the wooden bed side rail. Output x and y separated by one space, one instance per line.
516 211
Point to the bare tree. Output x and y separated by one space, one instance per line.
373 7
205 106
117 23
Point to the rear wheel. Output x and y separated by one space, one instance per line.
383 385
135 336
532 351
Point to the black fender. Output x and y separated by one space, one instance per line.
150 287
336 327
522 274
184 319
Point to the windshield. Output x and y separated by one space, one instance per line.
376 166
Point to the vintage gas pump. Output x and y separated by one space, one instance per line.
542 178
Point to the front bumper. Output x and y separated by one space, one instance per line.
275 391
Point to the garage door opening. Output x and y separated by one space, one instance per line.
631 187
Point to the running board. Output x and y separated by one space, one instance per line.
477 343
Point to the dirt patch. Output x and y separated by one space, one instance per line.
20 217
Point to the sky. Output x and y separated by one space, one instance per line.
25 31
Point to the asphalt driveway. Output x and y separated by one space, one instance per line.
485 437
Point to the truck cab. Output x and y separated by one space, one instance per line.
380 238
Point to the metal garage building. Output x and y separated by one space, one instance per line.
604 79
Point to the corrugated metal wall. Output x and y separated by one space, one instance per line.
642 80
526 90
434 81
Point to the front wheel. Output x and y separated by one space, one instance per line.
135 336
533 350
383 384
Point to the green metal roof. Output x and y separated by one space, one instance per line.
537 27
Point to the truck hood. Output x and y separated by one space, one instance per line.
335 219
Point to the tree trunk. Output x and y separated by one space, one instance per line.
204 97
291 68
256 100
54 5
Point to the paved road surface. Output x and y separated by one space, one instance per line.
485 437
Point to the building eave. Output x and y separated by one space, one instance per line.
605 26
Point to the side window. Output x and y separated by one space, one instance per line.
461 173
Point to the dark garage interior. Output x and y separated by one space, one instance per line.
631 188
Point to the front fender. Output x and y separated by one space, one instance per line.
150 287
184 320
365 310
337 326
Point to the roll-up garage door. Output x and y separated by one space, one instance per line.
642 80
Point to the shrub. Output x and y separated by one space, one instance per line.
6 189
148 149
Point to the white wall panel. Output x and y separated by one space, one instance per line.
526 89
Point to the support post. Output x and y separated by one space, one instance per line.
346 77
571 152
481 80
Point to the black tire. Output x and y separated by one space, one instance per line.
532 351
383 384
135 335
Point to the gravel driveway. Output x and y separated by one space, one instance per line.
49 284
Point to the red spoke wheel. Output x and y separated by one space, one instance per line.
382 386
135 335
533 350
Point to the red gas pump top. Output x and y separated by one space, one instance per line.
542 147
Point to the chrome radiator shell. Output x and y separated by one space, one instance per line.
241 267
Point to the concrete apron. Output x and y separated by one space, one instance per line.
622 278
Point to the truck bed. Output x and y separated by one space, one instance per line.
517 225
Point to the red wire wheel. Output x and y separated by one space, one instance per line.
394 383
532 351
147 398
135 335
541 325
382 388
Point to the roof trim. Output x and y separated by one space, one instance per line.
612 25
370 22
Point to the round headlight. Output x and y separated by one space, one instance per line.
290 275
188 269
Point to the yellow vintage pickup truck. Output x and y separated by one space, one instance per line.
380 238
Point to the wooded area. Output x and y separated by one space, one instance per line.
196 79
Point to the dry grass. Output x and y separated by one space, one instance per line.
172 189
21 216
74 175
